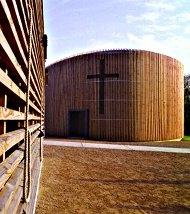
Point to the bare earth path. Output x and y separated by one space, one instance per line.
86 180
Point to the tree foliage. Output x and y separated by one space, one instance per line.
187 104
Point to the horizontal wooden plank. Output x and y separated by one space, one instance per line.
10 114
34 94
15 201
24 15
38 48
34 136
8 193
36 172
20 23
4 4
34 106
8 83
6 47
10 139
36 74
12 26
9 165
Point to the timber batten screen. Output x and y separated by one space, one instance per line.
22 79
131 95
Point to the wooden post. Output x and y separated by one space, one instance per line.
3 102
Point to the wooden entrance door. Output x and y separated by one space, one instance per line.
78 123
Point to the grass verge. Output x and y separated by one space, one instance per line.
186 138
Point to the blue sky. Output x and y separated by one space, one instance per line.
77 26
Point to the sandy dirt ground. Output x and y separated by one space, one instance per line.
81 180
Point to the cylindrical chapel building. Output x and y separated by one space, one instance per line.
115 95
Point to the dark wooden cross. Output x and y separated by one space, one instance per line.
102 76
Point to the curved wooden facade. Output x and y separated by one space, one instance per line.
129 95
22 80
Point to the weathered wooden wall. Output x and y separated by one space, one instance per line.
14 59
144 104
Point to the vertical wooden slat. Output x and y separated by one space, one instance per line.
3 103
144 104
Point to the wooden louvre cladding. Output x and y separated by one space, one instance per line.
142 102
15 45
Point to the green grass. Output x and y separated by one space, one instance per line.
186 138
